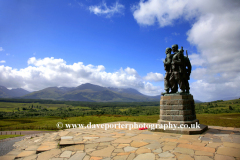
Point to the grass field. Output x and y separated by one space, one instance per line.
225 120
49 123
220 106
8 136
9 106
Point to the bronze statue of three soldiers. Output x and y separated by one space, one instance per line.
178 69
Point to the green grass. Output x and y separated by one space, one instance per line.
9 106
235 103
44 123
49 123
8 136
225 120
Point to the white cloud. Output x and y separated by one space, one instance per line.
49 72
1 49
45 62
197 60
198 73
131 71
215 91
109 11
215 27
162 11
216 35
2 61
149 89
154 77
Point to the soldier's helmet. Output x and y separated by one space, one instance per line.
168 50
175 46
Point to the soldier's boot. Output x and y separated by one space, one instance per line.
187 91
173 91
167 92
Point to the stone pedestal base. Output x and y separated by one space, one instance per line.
179 123
188 131
179 110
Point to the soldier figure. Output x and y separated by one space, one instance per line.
178 70
167 66
188 72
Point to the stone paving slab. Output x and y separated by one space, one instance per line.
220 143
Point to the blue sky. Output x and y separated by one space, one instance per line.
118 44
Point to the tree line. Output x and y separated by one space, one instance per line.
63 112
82 103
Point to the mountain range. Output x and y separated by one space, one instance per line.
85 92
7 93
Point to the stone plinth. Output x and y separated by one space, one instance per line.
179 109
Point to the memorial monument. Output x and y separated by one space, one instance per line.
177 108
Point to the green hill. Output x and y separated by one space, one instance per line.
219 106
